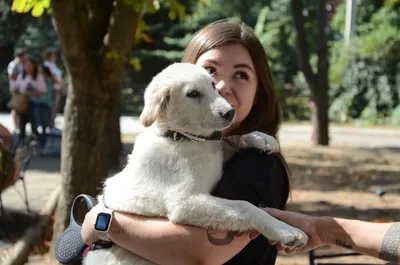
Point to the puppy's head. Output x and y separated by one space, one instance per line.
183 97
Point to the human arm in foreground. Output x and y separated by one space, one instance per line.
379 240
162 242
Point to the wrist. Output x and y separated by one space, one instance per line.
323 226
103 222
115 227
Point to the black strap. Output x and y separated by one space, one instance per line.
101 245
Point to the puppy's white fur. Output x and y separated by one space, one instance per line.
174 178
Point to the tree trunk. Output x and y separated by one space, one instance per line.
83 163
92 109
321 123
318 82
113 128
321 92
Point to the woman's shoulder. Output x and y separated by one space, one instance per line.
252 157
256 177
257 166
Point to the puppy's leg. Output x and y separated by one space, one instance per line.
211 212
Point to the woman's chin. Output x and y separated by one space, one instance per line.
227 130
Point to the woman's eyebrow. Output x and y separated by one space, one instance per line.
213 62
243 65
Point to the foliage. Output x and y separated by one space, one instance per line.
12 25
366 83
36 7
364 79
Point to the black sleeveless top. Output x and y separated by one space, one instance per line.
258 178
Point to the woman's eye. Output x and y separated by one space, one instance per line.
193 94
211 70
242 75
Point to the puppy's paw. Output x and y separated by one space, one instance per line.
289 237
259 140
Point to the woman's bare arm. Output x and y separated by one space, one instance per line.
380 240
163 242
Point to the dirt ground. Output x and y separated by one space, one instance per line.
343 181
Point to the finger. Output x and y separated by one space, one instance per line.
290 251
272 243
280 249
238 234
272 211
254 235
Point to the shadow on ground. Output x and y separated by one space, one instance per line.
344 168
48 164
14 224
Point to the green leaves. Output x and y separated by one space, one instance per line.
176 10
153 7
24 6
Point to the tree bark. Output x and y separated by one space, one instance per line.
115 135
92 100
321 92
81 148
317 82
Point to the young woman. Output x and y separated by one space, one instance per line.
235 57
30 83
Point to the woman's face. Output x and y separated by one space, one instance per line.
29 66
235 77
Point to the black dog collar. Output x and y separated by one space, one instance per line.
178 136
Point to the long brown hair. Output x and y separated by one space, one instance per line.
35 68
265 116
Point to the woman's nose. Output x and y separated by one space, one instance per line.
223 87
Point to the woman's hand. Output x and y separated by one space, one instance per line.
314 227
88 233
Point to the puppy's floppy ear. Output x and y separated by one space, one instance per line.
156 100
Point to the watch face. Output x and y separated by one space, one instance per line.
102 221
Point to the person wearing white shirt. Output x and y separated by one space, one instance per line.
30 83
14 68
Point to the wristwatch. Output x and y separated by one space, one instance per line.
103 223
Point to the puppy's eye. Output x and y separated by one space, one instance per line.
193 94
213 85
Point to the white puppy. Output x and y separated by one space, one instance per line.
174 167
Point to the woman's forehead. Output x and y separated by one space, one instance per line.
228 54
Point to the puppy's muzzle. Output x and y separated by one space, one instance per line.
229 115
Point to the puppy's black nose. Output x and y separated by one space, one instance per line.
229 115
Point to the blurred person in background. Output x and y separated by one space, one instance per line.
58 85
14 68
45 105
30 83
